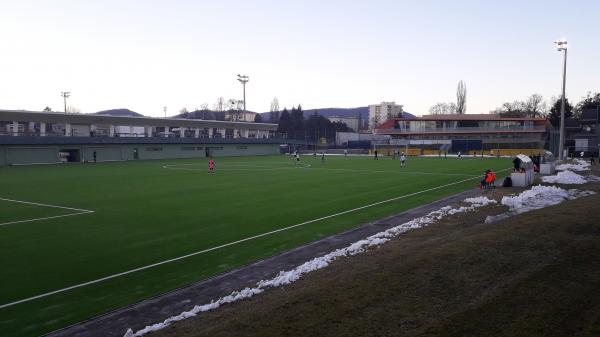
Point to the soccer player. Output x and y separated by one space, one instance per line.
211 166
345 153
459 155
376 155
402 160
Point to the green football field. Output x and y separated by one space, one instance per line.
101 227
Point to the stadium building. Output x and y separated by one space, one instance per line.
468 133
32 137
583 133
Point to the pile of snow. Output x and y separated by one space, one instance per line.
481 201
535 198
565 177
290 276
580 165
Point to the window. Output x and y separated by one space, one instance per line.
154 148
188 148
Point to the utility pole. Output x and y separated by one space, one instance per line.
244 79
561 45
165 111
65 95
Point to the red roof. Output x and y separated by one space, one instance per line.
389 124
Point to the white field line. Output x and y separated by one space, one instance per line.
264 168
398 172
45 218
80 285
78 211
234 168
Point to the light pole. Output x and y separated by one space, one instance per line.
243 79
561 45
65 95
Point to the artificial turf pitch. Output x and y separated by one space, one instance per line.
151 211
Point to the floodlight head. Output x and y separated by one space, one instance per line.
561 44
243 78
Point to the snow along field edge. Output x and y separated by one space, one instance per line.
358 247
172 303
292 275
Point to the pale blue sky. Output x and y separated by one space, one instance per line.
144 55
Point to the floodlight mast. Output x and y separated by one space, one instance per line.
244 79
561 45
65 95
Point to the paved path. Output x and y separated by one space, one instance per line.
159 308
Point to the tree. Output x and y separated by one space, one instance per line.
234 107
443 109
258 118
461 98
274 111
183 111
340 127
317 126
534 106
511 109
591 101
285 122
554 115
297 120
47 109
219 104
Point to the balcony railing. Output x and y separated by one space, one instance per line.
462 130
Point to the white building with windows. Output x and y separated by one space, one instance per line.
351 122
379 113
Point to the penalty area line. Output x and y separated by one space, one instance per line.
78 211
45 205
44 218
84 284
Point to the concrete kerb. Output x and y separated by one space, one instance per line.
157 309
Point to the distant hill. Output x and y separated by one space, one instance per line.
202 114
340 112
215 115
118 112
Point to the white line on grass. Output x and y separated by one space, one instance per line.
229 244
265 168
400 172
234 167
46 205
78 211
45 218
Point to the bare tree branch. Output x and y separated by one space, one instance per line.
461 98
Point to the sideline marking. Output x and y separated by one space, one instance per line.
399 172
235 167
78 211
229 244
267 168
